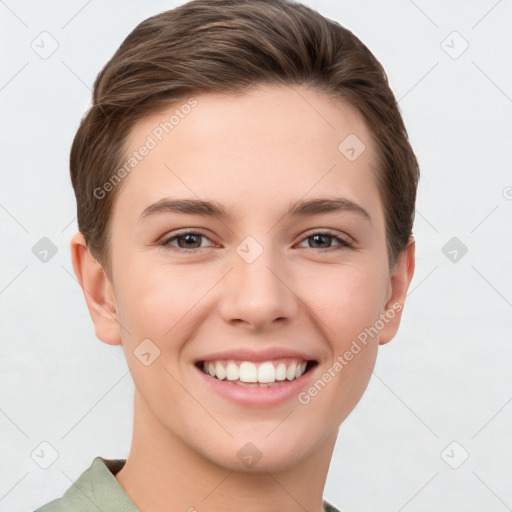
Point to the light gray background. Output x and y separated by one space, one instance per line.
444 378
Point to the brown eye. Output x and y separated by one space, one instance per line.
190 240
323 240
186 242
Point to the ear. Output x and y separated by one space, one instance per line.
98 291
399 282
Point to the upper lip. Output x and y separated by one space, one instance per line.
268 354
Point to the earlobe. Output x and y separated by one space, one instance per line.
400 280
97 290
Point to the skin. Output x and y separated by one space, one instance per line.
253 153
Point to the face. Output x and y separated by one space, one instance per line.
292 273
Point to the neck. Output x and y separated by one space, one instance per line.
162 470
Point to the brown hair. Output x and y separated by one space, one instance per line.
229 46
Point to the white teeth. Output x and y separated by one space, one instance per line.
248 372
232 372
290 371
281 371
264 373
219 371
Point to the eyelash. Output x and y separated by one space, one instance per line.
165 243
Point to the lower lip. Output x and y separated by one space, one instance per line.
255 395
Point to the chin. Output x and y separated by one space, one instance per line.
262 455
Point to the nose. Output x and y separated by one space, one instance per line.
258 294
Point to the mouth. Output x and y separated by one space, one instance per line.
261 374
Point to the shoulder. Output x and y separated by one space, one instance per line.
96 487
328 507
70 502
52 506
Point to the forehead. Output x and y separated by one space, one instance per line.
259 149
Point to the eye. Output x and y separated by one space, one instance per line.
190 241
185 240
324 239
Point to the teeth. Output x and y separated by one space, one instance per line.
266 373
281 371
219 371
290 371
248 372
232 371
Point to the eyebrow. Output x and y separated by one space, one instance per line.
301 208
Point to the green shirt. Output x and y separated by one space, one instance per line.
97 490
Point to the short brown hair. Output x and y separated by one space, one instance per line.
229 46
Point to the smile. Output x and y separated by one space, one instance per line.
257 374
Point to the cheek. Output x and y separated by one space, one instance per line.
160 304
346 299
156 299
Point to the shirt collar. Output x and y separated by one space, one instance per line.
98 486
